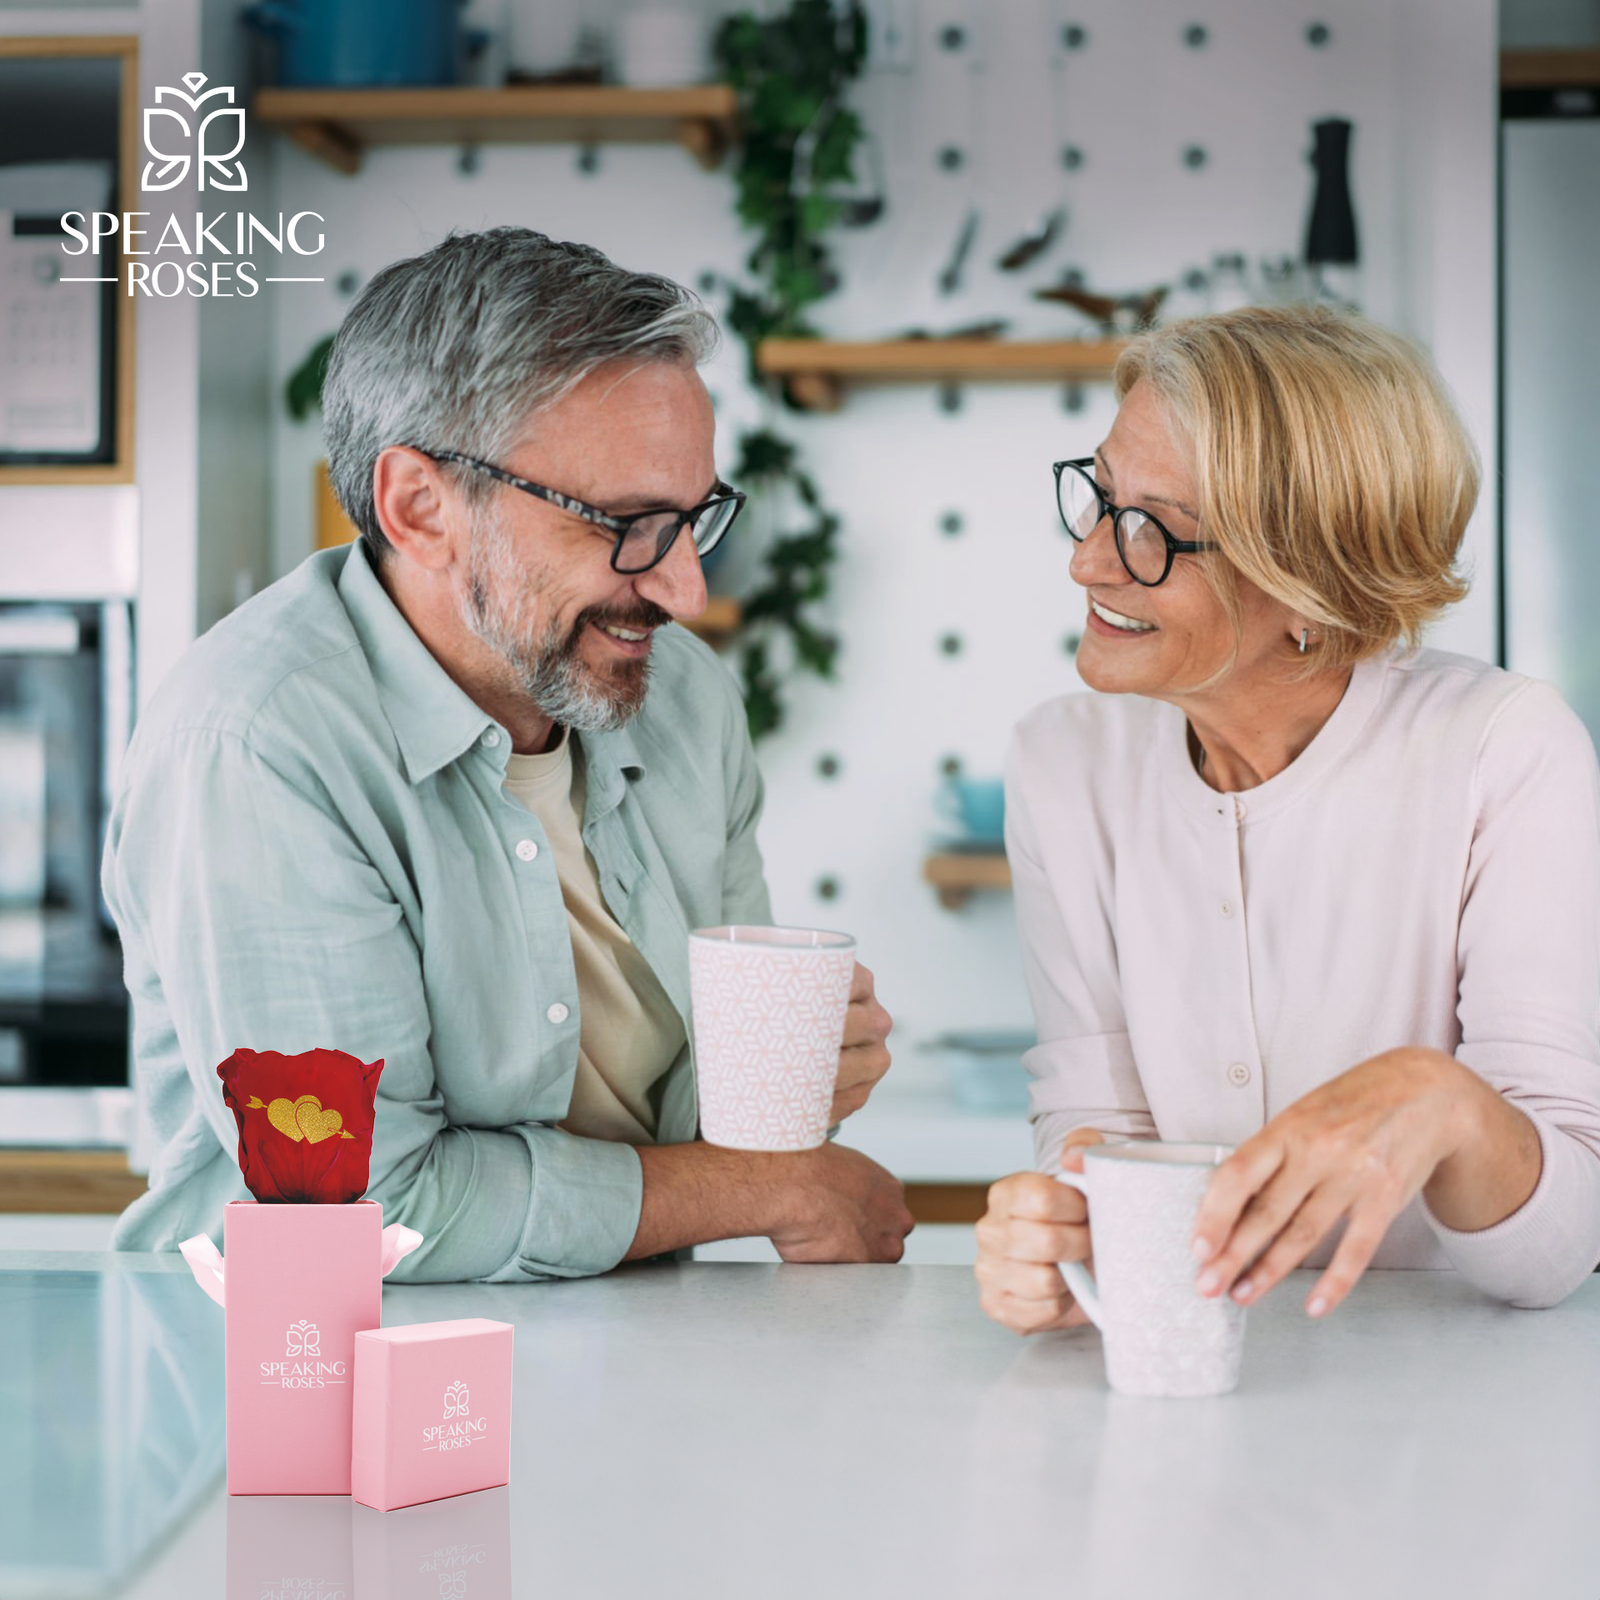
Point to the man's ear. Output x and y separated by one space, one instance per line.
416 508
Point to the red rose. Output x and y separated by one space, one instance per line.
305 1123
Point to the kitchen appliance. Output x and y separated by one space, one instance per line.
1550 342
1331 232
65 716
57 352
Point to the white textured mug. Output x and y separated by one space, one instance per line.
769 1014
1162 1336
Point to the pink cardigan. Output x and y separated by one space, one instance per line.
1426 872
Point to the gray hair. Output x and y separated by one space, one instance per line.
460 348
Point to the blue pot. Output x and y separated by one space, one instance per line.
977 805
364 43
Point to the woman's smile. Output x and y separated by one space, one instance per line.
1116 624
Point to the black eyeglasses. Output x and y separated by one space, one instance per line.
644 538
1145 546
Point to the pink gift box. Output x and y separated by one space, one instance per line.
432 1411
298 1282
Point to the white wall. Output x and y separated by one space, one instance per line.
1418 80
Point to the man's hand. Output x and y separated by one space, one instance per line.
841 1207
864 1058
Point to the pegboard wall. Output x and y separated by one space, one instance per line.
1170 134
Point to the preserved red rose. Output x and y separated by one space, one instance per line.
305 1123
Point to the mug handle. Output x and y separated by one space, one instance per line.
1077 1275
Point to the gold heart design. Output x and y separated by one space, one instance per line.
281 1115
315 1123
304 1119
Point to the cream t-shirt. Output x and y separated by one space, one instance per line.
628 1034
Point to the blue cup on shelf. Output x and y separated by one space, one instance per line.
977 806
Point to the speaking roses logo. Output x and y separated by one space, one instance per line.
175 127
304 1340
458 1429
220 255
302 1366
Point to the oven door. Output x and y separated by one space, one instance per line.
65 699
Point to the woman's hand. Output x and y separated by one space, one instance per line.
864 1056
1032 1223
1361 1147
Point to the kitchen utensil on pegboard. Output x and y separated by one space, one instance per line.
1332 251
967 41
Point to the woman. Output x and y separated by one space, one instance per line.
1284 884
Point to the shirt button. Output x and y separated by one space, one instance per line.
1239 810
558 1012
527 849
1238 1074
1226 908
491 739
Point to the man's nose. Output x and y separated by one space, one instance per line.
676 582
1095 560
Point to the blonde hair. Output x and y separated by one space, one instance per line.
1331 468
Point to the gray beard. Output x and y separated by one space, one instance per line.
548 669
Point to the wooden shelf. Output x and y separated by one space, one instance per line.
817 369
339 125
1549 69
78 1181
958 877
719 621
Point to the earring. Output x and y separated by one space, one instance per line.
1303 633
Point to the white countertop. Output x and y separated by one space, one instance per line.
778 1432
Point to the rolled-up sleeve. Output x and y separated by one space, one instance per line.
1083 1070
1529 976
270 929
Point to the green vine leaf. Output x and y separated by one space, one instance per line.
791 71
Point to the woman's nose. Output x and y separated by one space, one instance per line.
1095 560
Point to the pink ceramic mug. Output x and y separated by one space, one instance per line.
769 1013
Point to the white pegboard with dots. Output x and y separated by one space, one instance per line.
1169 134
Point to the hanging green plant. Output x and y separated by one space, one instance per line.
797 146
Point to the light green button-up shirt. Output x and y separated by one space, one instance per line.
311 848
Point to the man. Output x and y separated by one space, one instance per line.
414 801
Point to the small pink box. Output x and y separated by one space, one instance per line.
301 1281
432 1411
